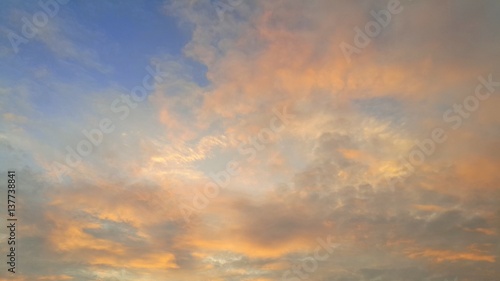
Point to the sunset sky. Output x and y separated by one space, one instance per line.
251 140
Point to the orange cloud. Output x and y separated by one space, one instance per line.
162 261
447 255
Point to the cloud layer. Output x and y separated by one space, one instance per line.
206 178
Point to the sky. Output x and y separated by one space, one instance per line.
250 140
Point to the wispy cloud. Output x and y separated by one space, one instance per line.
322 181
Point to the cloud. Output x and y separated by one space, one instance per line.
118 215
